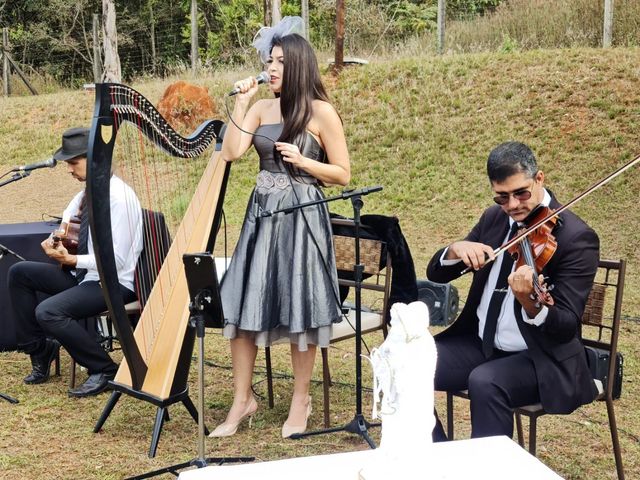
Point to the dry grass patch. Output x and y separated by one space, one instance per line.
422 128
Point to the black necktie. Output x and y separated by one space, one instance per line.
499 294
83 237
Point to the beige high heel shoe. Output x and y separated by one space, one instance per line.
227 429
288 430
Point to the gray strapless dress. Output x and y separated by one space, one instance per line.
277 287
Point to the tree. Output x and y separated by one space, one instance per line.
112 71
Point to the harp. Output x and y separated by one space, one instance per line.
157 355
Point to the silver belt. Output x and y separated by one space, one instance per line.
270 180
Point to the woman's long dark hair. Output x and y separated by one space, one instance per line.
301 85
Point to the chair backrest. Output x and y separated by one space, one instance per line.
376 262
602 314
157 241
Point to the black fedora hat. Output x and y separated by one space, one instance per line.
75 143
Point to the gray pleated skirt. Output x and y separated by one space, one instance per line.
281 284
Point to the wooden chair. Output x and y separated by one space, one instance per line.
600 329
376 260
156 243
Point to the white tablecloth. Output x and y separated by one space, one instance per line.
495 458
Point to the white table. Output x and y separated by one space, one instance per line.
495 458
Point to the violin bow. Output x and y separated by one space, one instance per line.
525 233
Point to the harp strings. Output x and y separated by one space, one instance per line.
163 183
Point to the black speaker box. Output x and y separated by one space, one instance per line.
442 300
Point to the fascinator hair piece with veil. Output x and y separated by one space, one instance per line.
263 40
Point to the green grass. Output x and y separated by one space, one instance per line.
422 128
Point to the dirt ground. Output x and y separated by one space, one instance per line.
44 193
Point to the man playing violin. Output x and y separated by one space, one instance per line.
73 285
509 348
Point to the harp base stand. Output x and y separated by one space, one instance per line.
197 321
162 413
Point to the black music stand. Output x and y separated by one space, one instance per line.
205 310
358 425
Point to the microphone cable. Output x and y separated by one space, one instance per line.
308 227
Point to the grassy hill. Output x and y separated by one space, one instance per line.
422 128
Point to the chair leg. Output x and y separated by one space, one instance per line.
533 433
267 357
613 427
450 435
110 337
326 381
57 363
519 429
72 375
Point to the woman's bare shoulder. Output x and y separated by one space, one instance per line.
267 110
321 107
324 113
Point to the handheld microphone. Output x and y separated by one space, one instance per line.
262 77
51 162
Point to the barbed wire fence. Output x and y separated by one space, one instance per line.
372 29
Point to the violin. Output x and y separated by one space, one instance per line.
68 234
536 249
536 224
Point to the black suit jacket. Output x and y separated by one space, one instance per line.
564 381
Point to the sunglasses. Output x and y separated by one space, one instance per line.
523 194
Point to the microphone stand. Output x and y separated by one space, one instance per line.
8 398
15 177
4 250
358 425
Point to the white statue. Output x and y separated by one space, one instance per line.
404 367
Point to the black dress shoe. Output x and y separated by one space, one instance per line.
96 383
41 362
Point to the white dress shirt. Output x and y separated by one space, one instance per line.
126 231
508 337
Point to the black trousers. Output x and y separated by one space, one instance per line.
57 316
496 385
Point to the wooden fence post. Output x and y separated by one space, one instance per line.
267 12
607 33
7 64
6 73
112 70
305 18
442 8
338 61
194 37
154 60
21 74
97 56
275 12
